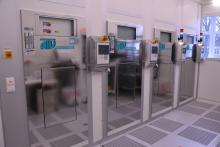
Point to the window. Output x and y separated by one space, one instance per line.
211 30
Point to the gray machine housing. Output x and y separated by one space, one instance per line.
165 45
179 52
97 53
150 53
64 29
198 53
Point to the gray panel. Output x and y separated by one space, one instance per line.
123 142
166 124
120 122
52 132
67 142
208 124
198 135
217 109
213 115
123 110
202 105
148 135
192 110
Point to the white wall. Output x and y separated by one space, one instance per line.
209 83
163 14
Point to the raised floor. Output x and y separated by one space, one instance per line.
196 124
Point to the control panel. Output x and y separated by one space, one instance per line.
151 52
98 50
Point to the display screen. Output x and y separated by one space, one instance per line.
126 33
103 49
165 37
154 50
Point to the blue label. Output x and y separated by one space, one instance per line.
121 45
47 44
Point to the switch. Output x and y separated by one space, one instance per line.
8 54
10 84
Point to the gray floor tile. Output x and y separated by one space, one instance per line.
208 124
202 105
123 142
198 135
157 108
148 135
136 115
83 107
192 110
120 122
123 110
52 132
166 124
67 142
167 104
40 146
213 115
33 139
156 100
85 133
218 145
217 109
67 113
38 120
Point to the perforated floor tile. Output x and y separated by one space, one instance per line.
208 124
53 132
198 135
148 135
166 124
213 115
123 142
192 110
202 105
67 142
123 109
120 122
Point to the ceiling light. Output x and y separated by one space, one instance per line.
216 2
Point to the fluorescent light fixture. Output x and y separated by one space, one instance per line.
216 2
